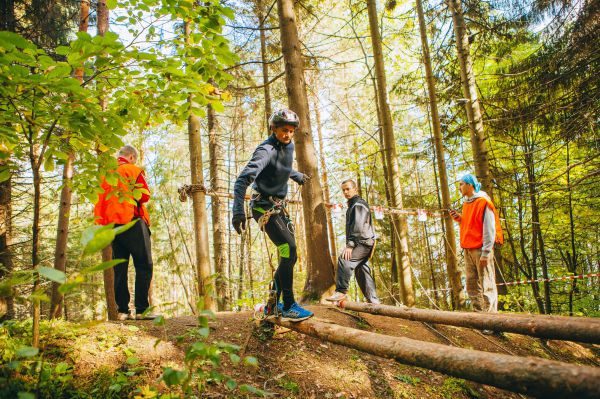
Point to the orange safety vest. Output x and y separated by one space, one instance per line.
471 223
115 208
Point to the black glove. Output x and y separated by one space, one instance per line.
304 179
239 223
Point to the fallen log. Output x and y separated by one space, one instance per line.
528 375
578 329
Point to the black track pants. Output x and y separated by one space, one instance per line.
281 232
135 242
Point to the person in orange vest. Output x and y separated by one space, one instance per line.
479 226
118 205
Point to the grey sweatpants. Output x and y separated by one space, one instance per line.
358 264
481 282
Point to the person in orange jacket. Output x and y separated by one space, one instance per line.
478 231
118 204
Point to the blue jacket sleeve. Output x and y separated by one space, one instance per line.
260 159
296 176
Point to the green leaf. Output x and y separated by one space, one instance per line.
102 238
25 395
235 359
173 377
13 40
132 360
27 351
111 4
62 50
159 321
4 173
231 384
125 227
52 274
102 266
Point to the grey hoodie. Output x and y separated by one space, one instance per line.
489 224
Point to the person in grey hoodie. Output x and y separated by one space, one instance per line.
477 237
360 242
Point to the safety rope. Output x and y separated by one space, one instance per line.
187 190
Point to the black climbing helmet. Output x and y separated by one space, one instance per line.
283 117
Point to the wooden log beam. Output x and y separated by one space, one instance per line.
580 329
528 375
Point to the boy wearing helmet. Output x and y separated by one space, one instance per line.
268 171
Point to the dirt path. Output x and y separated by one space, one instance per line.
291 365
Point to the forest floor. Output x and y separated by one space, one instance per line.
291 365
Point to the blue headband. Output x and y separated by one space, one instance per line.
472 180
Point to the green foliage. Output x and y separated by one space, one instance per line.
203 363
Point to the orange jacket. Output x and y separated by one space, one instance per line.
471 223
116 204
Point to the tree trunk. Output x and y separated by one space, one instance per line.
7 15
263 56
471 100
205 286
537 238
578 329
326 193
391 156
219 223
62 234
64 211
532 376
571 257
454 274
6 256
35 245
319 268
108 274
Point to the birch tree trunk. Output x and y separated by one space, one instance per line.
471 100
319 273
391 157
454 274
219 224
205 288
64 210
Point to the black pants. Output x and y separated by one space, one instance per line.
357 264
134 242
281 232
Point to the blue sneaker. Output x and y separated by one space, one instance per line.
295 313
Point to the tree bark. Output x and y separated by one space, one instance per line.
532 376
471 100
219 224
326 193
64 211
391 157
578 329
108 274
7 15
6 256
454 274
263 55
35 243
319 268
205 285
